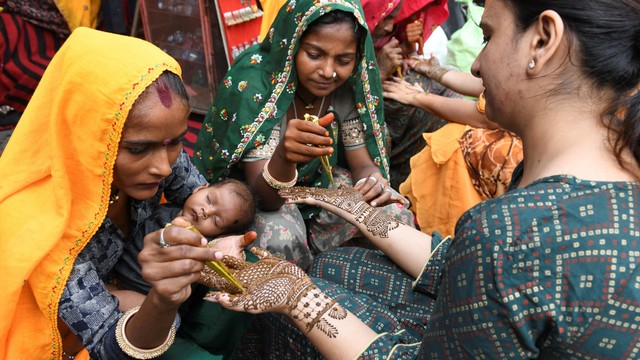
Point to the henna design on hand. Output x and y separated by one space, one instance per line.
274 284
350 200
432 69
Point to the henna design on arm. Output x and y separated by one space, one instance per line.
350 200
274 284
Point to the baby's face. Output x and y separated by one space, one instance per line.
212 210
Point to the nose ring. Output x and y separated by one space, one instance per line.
335 74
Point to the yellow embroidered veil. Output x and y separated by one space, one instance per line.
55 177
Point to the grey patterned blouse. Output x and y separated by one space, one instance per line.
86 305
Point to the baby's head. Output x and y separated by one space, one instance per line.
224 208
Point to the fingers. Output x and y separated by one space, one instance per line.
231 302
260 252
375 191
326 120
305 132
249 237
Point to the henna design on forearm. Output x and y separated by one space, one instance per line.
350 200
274 284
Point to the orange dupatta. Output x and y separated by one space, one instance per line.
56 174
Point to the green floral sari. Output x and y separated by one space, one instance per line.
260 86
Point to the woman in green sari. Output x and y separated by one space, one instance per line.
317 59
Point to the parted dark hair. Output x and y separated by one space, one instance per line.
339 17
248 202
607 36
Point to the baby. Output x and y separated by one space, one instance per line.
224 208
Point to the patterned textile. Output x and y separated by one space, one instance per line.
259 88
366 283
376 10
42 13
491 156
406 124
25 50
546 271
284 232
86 306
69 133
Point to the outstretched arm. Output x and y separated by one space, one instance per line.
409 248
275 285
461 111
460 82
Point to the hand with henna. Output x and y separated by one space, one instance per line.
347 203
274 285
431 68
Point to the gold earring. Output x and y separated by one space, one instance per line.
532 64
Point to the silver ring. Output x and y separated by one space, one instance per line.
381 187
162 242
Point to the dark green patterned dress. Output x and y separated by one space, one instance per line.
546 271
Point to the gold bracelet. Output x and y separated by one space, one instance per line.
276 184
134 351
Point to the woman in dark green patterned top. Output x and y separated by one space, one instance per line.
548 270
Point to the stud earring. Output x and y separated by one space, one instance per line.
335 74
532 64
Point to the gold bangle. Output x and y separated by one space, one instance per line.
134 351
276 184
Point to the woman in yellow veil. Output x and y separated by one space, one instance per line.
97 146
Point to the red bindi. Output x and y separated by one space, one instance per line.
164 94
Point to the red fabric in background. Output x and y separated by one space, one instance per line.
25 51
432 12
193 128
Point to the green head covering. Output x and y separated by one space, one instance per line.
260 86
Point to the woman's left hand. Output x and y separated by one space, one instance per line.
376 190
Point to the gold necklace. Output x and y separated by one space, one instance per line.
295 110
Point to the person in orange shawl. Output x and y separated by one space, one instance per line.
466 161
388 21
98 145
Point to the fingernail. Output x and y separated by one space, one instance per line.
203 241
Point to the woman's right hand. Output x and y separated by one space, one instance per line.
431 68
171 270
303 140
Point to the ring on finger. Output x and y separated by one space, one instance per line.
162 242
381 187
